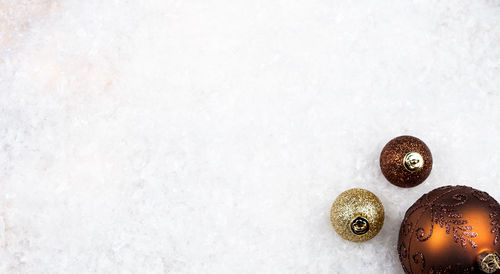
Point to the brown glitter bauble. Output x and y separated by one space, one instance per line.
406 161
452 229
357 215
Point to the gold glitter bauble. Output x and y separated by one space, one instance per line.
357 215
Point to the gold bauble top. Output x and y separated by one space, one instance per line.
413 161
357 215
489 262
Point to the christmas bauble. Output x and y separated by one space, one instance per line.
452 229
357 215
406 161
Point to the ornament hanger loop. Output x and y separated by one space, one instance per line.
360 225
413 161
489 262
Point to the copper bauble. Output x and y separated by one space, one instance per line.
406 161
452 229
357 215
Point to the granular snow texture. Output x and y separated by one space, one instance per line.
212 136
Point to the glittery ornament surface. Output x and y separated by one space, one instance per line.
392 161
447 229
357 203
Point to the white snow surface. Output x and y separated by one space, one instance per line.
212 136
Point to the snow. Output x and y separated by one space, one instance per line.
213 136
